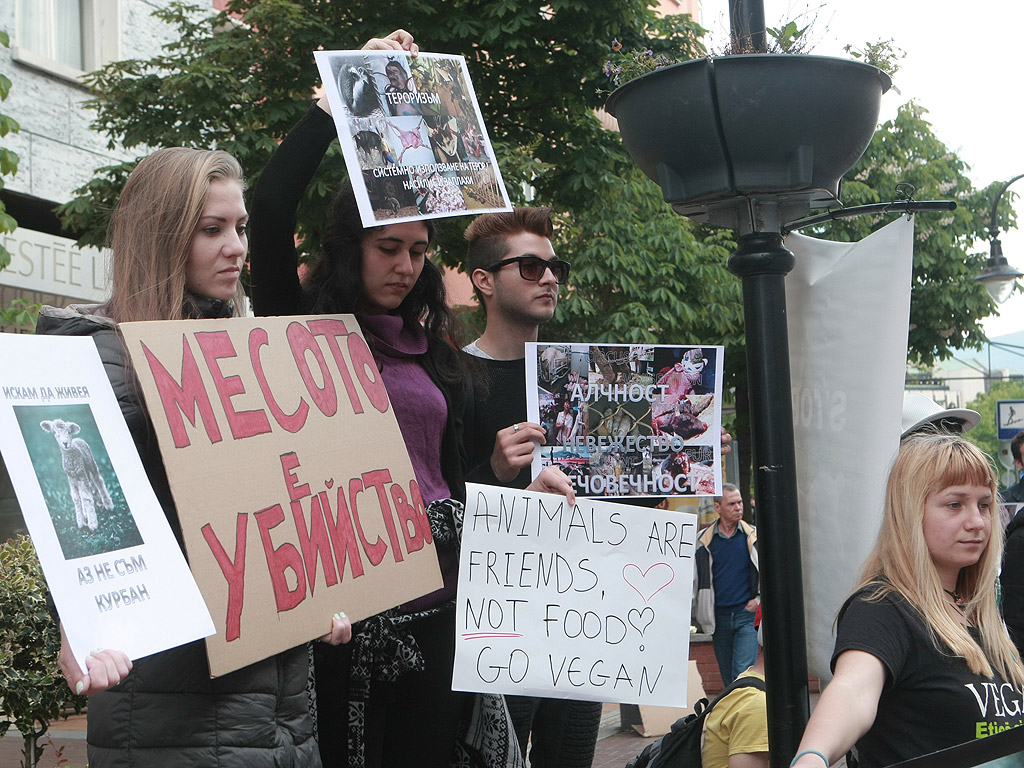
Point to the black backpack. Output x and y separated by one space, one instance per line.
680 747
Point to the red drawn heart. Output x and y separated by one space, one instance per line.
650 582
329 483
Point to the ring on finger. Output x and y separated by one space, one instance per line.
515 427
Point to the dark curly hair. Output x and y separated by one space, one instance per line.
334 284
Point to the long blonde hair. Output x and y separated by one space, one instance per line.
900 561
151 229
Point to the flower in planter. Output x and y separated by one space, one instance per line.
625 67
663 41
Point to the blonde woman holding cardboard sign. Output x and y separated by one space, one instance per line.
179 238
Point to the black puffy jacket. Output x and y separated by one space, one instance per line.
1012 580
168 712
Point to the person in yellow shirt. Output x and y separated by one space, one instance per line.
736 730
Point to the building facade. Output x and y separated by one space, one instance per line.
53 44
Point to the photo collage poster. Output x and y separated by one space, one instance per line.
629 420
412 135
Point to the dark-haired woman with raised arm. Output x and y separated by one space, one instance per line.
386 698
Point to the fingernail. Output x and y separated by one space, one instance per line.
79 686
94 651
340 615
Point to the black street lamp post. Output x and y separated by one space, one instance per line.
746 21
762 262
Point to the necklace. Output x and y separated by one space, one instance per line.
958 601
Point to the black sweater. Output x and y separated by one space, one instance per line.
499 401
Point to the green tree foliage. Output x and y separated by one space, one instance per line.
20 314
536 68
678 291
640 272
8 158
946 306
34 691
984 435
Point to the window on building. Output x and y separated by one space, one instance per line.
67 37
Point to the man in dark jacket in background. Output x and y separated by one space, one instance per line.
1012 577
1015 493
726 589
1012 580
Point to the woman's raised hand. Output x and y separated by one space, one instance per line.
399 40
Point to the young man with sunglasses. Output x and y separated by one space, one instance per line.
516 276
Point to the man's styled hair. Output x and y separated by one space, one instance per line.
1015 444
488 236
900 561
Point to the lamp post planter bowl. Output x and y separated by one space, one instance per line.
750 141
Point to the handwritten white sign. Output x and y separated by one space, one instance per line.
588 602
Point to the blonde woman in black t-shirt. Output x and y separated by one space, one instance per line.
922 659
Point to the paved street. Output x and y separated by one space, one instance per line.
614 747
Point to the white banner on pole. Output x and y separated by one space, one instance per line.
849 309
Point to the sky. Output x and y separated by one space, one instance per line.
963 64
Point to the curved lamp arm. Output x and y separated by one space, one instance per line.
998 277
993 227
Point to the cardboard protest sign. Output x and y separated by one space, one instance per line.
628 420
411 132
117 576
296 495
587 602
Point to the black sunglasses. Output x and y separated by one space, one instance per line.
532 267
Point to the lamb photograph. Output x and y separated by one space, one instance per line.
78 483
